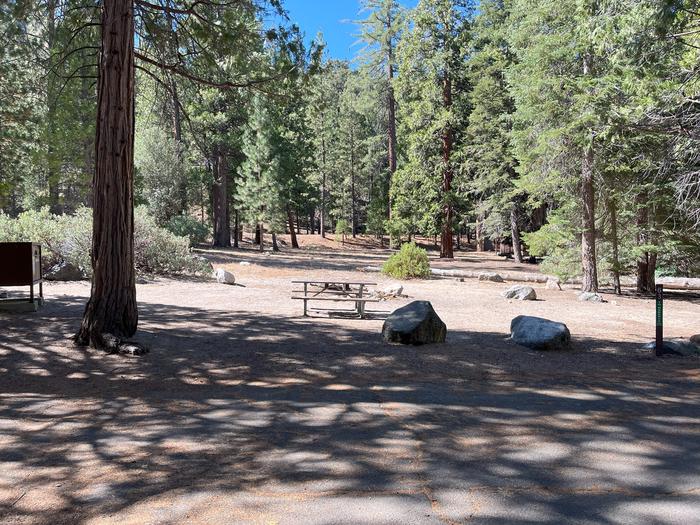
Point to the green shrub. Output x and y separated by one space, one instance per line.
558 246
409 262
187 226
36 226
342 228
76 239
69 238
156 250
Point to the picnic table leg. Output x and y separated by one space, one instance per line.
360 305
305 300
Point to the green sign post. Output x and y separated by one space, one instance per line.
659 319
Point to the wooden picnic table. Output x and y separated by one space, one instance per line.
336 291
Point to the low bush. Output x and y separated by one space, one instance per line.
187 226
69 238
410 261
156 250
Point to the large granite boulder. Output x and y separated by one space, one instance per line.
679 347
64 271
539 334
224 277
414 324
695 339
520 292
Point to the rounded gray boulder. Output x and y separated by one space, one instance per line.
590 297
539 334
64 271
679 347
520 292
490 276
414 324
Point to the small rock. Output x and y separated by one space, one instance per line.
678 347
64 271
224 277
132 349
3 294
590 297
490 276
203 260
520 292
553 284
389 291
244 263
414 324
539 334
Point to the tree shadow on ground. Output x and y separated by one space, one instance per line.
255 416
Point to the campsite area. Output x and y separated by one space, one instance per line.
244 411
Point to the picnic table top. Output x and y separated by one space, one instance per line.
331 281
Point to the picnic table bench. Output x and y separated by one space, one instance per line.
335 291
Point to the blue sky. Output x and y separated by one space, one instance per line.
335 19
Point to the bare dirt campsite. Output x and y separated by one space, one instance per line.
246 412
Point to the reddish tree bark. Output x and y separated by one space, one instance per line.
220 207
292 231
111 308
515 233
391 128
646 263
446 249
589 282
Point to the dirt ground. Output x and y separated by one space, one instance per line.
246 412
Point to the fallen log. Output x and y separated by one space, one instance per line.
671 283
679 283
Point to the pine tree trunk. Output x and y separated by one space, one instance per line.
236 229
646 263
292 231
446 250
112 308
515 233
480 241
615 242
353 195
275 246
261 237
651 274
220 204
88 145
391 128
322 227
589 282
53 174
177 128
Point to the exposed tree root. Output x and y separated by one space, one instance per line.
114 345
